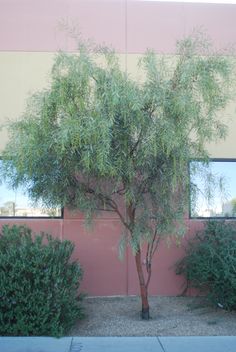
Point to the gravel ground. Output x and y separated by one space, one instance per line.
171 316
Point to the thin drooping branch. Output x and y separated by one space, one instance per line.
148 267
151 249
128 226
155 247
136 144
131 214
102 209
120 191
109 201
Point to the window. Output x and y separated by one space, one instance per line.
15 203
213 189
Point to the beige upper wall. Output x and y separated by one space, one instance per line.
23 73
226 148
20 75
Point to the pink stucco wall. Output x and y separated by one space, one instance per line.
130 27
97 250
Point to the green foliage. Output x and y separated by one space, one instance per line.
98 139
233 203
38 284
210 263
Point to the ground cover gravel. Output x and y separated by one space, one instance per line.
171 316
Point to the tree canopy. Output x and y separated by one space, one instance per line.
98 139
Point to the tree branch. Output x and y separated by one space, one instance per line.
136 144
110 202
151 249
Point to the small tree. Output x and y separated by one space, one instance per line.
99 140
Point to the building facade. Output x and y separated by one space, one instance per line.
31 32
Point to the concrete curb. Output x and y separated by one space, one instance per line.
119 344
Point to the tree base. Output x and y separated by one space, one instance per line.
145 314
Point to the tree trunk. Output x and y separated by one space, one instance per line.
143 288
130 211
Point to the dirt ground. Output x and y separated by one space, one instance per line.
171 316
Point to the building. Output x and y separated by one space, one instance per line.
30 34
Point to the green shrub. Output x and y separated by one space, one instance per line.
38 284
210 263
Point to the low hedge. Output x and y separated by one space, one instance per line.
210 263
38 284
